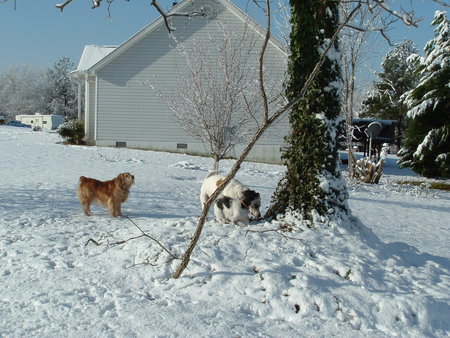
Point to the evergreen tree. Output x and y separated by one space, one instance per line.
427 146
395 79
312 183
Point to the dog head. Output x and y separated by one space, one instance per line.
126 180
252 201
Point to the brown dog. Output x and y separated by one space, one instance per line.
110 194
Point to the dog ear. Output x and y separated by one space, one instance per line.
122 180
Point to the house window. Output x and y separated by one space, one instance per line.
44 122
182 146
120 144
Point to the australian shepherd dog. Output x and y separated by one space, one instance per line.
246 198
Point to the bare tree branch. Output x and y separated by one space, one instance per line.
261 64
442 3
167 15
153 239
63 5
143 234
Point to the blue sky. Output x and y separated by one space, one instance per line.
38 34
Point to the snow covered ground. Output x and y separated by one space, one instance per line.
387 274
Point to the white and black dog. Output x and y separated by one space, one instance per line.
249 199
230 210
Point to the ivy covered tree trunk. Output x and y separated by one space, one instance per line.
312 183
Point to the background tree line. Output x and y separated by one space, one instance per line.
27 90
414 91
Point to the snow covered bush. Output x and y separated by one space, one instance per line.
368 170
427 146
73 131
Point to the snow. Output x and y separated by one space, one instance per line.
384 274
93 54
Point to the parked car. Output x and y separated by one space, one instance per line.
15 123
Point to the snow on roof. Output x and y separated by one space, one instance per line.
91 55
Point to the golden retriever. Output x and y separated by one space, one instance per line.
110 194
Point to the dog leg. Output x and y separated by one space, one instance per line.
112 207
203 199
87 209
220 218
218 212
119 210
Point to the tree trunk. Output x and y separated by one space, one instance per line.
311 156
216 160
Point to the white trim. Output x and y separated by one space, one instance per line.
95 109
79 100
87 100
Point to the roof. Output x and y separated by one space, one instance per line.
91 55
369 120
94 58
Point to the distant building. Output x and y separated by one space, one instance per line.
48 122
385 133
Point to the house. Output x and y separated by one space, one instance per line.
121 111
49 122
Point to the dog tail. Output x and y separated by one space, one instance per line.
212 173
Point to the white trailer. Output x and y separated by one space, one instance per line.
48 122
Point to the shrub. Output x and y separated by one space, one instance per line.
73 131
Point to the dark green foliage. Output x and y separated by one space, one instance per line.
427 146
73 131
396 78
311 152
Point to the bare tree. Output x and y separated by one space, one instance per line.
21 91
282 22
354 44
218 103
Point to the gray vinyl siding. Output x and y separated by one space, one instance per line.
129 111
